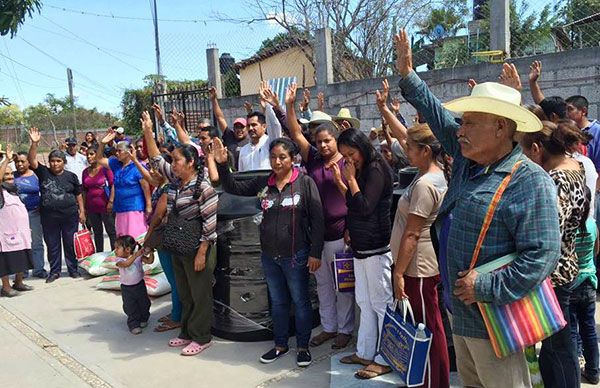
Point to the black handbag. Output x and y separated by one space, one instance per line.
181 236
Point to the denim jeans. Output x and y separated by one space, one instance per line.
166 262
582 311
559 365
37 242
287 281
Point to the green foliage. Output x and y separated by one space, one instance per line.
11 115
453 53
14 12
231 84
583 35
281 38
57 112
452 18
134 102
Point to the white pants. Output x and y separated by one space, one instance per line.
373 294
336 308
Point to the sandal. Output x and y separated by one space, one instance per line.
166 318
177 342
321 338
354 359
367 374
166 326
195 348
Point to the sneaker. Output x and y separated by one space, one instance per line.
143 325
52 277
589 378
303 358
136 330
273 355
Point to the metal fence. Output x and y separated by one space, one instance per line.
194 104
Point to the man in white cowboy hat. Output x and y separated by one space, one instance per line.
525 221
344 120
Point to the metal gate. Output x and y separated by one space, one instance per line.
194 104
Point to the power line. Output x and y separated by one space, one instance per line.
98 48
30 83
63 64
15 79
31 69
111 16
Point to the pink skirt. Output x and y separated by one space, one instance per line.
130 223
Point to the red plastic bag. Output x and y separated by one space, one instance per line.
84 244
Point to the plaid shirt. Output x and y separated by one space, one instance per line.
525 221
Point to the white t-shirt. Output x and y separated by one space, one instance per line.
76 164
590 178
256 157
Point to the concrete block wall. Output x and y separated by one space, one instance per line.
564 74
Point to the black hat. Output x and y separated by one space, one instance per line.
71 141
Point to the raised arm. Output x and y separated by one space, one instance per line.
179 120
100 158
416 92
221 122
148 135
273 127
246 188
7 158
398 130
535 71
34 135
292 122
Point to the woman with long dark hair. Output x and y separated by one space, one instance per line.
368 191
189 234
61 207
291 239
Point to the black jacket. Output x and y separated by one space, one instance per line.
292 219
368 220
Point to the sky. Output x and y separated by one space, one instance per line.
108 55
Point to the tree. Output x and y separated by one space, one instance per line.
14 12
11 115
57 113
451 19
581 33
362 29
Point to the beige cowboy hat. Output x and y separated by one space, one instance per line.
344 114
319 117
499 100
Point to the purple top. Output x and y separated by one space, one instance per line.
593 147
93 186
334 203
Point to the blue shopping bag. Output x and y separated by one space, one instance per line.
405 345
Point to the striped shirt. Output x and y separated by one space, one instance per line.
526 219
183 199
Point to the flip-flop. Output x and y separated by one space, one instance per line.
166 318
177 342
166 326
372 374
354 359
194 348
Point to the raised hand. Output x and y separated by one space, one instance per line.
395 105
471 83
132 153
219 151
306 100
158 113
290 94
212 93
535 71
403 53
510 76
146 121
9 151
248 106
177 117
267 94
381 97
321 101
110 136
34 135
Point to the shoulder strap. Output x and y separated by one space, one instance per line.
490 213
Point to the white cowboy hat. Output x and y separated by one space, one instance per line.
344 114
499 100
319 117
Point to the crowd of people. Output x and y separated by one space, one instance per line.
330 190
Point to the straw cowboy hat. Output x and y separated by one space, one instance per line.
344 114
499 100
319 117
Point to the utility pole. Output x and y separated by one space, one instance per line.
72 100
156 42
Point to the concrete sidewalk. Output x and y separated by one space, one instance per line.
70 334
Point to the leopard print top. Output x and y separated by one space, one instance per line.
570 187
